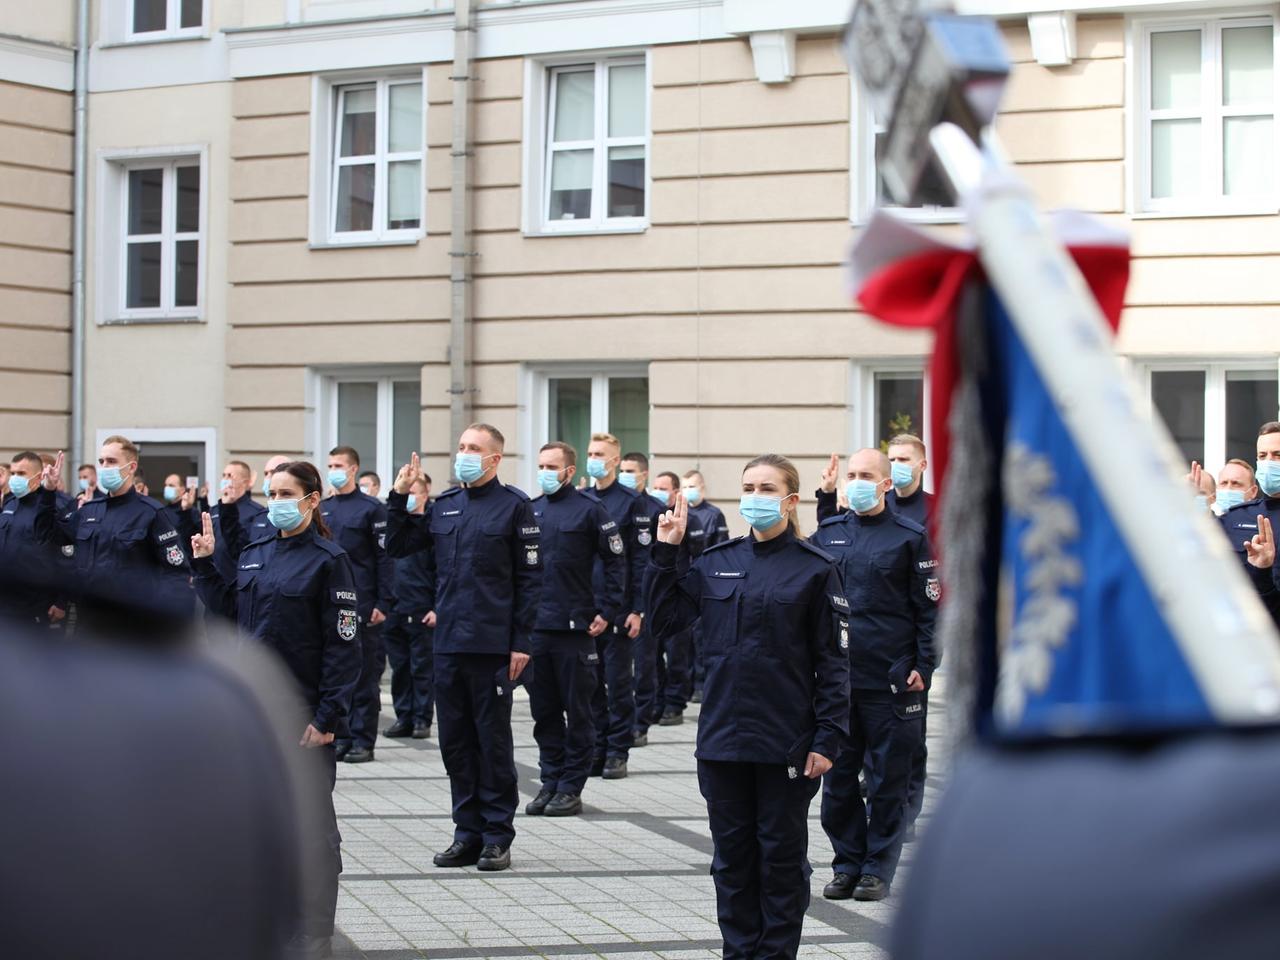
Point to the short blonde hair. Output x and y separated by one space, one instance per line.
908 440
128 446
607 438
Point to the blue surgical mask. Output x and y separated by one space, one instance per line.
596 469
549 481
759 511
1228 498
284 514
629 480
412 503
1202 502
110 479
693 495
266 486
469 467
224 483
337 479
366 489
903 475
84 484
661 496
1269 477
19 486
863 495
171 494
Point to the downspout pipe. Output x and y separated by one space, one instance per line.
79 211
460 252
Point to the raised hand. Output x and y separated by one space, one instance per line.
409 474
49 477
672 524
188 498
1261 550
831 474
202 543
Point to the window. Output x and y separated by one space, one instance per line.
375 183
868 190
1213 410
592 120
166 18
1208 106
377 412
571 403
889 397
151 262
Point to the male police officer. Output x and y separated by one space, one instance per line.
1236 485
577 534
408 632
707 527
234 504
891 585
34 566
908 462
633 472
271 466
1243 525
124 544
615 696
370 484
359 525
488 562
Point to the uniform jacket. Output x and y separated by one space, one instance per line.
577 534
917 507
488 564
707 527
635 526
298 596
1241 524
774 633
39 573
359 525
891 581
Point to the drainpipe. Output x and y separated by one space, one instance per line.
460 253
80 167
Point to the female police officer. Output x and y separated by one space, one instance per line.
775 709
294 591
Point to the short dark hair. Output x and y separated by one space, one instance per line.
370 473
639 458
349 452
248 470
86 466
570 454
1271 426
426 476
673 477
30 456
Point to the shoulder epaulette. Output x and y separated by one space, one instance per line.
449 493
722 544
812 548
592 496
330 547
517 491
907 522
838 518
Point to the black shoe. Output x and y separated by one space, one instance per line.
597 767
359 755
421 731
459 854
640 740
672 718
538 804
305 947
840 887
697 697
565 805
494 857
340 750
870 888
615 768
401 728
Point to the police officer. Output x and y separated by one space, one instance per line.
890 579
1244 527
270 467
295 591
1236 485
407 634
577 533
633 473
359 524
178 502
370 484
33 564
123 542
907 460
707 527
487 558
776 704
615 696
87 480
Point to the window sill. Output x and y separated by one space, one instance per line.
175 317
147 41
588 231
1261 210
350 244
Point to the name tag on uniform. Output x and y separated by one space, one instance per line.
450 513
728 574
250 566
837 543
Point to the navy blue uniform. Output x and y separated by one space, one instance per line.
38 570
577 533
297 596
408 640
614 702
917 507
651 672
359 525
890 578
488 561
1241 525
707 527
777 688
125 549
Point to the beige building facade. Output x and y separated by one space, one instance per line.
661 196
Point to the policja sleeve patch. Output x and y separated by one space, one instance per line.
174 556
615 543
347 622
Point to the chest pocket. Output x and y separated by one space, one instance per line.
493 548
444 536
721 613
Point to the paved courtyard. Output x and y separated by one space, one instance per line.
628 879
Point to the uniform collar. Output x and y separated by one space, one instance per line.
484 488
127 497
345 496
306 536
560 494
766 547
907 501
872 520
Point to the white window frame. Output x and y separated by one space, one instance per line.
1211 115
325 424
535 403
325 102
1215 394
205 436
863 195
173 16
536 146
862 403
111 279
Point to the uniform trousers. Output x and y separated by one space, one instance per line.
564 682
322 852
614 701
919 768
366 702
408 644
